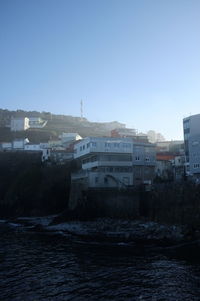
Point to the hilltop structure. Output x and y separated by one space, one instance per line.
25 123
19 124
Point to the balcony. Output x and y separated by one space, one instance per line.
90 165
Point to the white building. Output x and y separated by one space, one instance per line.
37 122
19 124
19 144
56 145
42 147
64 142
68 138
32 147
111 162
191 128
6 146
65 137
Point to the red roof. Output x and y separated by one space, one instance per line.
164 157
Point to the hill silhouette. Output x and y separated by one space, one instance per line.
56 124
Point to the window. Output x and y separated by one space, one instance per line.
186 131
105 180
96 179
126 145
93 158
109 169
147 159
138 148
186 136
107 144
195 143
186 124
116 145
83 147
93 144
80 148
196 165
126 180
137 158
88 145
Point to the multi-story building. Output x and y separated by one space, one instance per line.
170 146
129 133
19 124
114 162
61 156
191 128
123 132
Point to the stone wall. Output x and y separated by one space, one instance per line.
105 202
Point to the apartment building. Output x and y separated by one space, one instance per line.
113 162
191 129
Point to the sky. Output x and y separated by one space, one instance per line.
134 61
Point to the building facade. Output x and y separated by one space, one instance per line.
191 129
37 122
113 162
19 124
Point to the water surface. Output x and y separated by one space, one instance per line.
42 266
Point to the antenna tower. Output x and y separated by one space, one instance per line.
81 109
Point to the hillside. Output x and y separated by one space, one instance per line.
56 125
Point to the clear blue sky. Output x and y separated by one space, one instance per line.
135 61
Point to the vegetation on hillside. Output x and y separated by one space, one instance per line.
28 187
55 126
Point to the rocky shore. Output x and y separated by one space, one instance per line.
168 239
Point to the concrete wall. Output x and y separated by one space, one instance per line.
143 173
106 203
108 179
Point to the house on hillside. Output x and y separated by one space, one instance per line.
170 166
129 133
43 148
19 124
37 122
164 166
19 144
68 138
